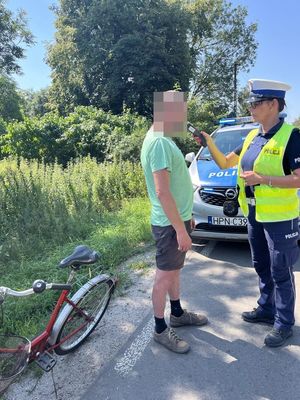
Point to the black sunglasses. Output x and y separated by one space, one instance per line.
254 104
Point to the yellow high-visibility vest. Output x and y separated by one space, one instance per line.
272 203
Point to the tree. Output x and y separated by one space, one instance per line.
14 35
68 87
113 54
219 39
2 127
35 103
10 101
297 122
243 106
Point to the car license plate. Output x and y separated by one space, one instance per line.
227 221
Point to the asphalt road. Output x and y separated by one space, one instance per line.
227 361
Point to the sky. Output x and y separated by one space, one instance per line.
278 35
278 55
36 73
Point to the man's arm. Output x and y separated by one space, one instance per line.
162 187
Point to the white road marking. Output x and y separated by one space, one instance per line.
135 351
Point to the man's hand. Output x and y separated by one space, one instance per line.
193 224
184 241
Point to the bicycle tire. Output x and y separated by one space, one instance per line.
94 302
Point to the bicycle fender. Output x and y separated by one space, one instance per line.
63 315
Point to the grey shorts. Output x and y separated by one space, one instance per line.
168 257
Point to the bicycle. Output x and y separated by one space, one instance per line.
72 320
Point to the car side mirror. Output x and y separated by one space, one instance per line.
190 157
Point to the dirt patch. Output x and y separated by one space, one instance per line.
73 373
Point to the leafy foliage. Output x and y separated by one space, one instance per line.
243 106
10 100
68 88
14 35
35 103
297 122
219 39
2 126
92 132
111 54
86 131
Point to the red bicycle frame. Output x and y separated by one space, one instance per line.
40 343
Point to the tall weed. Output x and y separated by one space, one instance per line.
42 206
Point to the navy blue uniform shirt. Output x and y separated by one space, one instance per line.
291 158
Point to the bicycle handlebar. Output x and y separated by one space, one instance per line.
16 293
37 287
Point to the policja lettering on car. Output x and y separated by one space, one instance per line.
220 174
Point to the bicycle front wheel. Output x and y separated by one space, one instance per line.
81 321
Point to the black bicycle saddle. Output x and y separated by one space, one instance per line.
81 255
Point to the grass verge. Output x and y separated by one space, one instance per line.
120 235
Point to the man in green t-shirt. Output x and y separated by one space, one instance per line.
171 194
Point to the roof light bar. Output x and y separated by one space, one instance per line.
235 121
242 120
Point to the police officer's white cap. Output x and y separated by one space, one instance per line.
262 88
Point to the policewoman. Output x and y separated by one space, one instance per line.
268 178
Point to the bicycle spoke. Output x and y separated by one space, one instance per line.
84 316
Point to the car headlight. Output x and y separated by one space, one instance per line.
195 187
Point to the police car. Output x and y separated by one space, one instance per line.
215 211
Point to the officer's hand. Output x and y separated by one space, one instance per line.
207 137
184 240
251 178
198 140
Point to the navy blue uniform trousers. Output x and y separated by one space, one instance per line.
275 250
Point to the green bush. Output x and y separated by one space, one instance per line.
128 147
89 131
2 126
86 131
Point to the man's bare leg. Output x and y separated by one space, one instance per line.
161 287
174 288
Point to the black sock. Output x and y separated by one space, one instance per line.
160 325
176 309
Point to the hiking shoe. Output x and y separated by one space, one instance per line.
257 315
171 341
277 337
188 318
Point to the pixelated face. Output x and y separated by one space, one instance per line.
170 114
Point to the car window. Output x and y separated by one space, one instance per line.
226 141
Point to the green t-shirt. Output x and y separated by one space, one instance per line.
160 152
